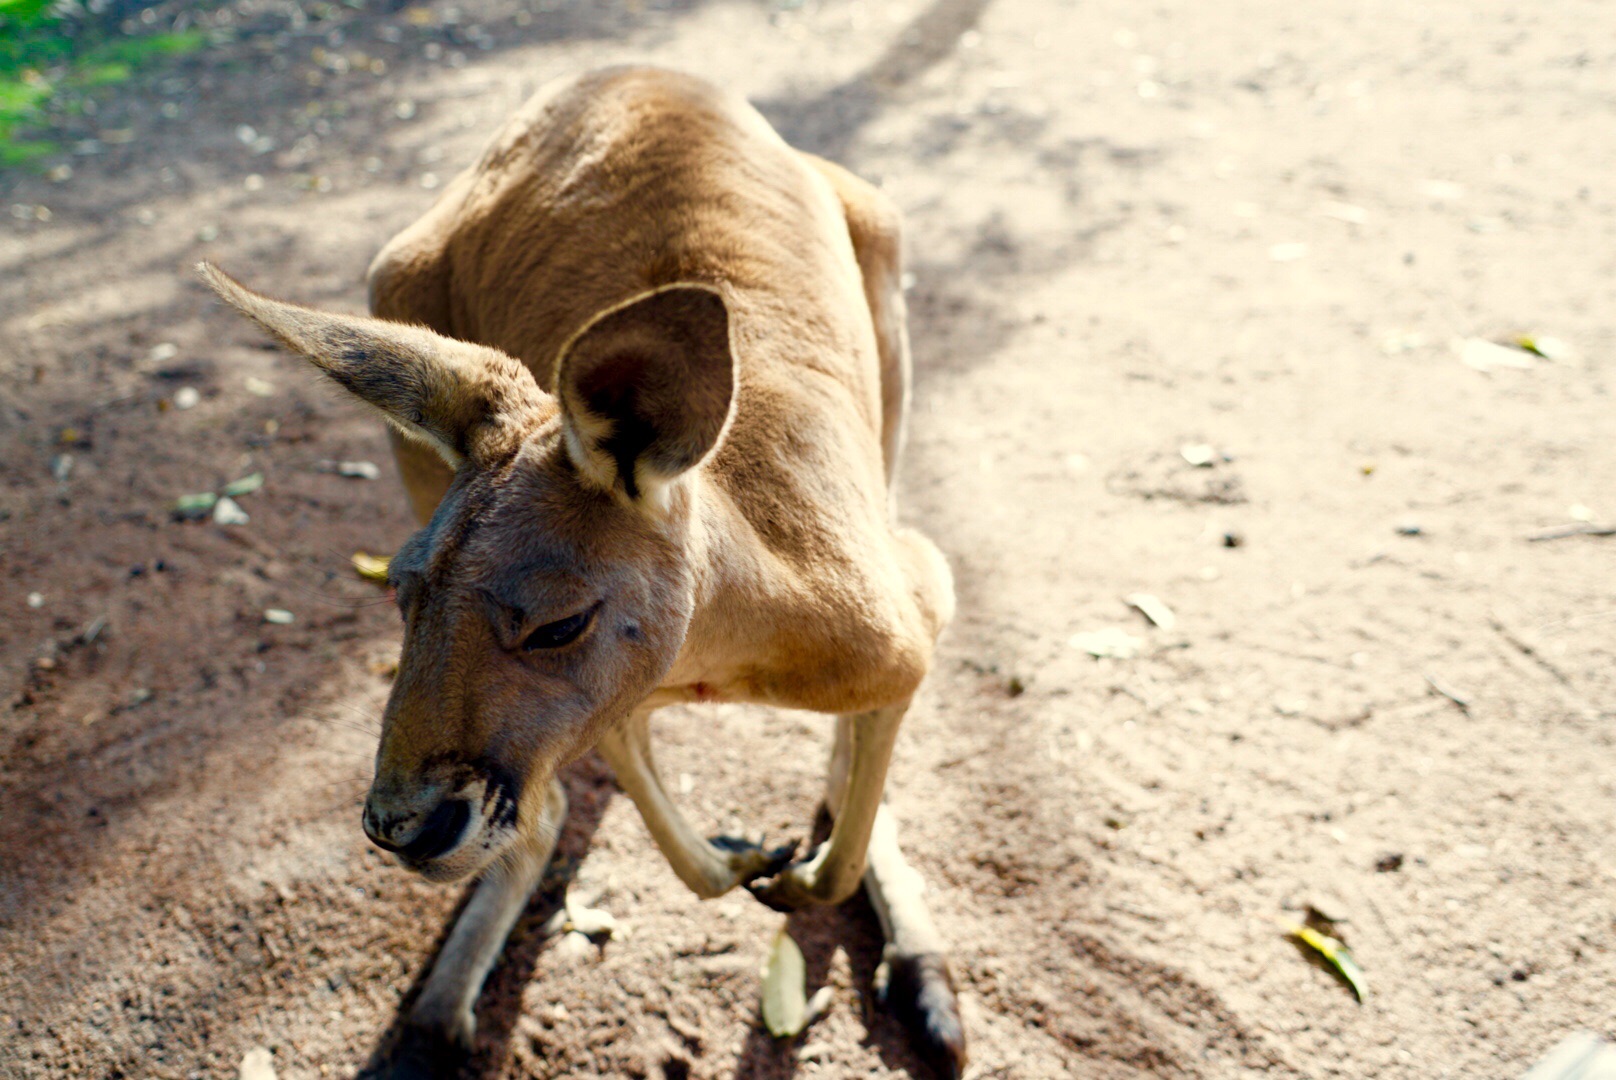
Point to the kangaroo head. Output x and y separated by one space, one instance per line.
553 587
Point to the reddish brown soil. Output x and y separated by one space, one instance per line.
1093 192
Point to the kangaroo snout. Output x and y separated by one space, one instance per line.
415 836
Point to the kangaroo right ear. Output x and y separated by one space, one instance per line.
464 400
647 388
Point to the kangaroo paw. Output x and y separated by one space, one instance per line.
920 993
752 861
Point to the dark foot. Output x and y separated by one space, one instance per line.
752 861
920 993
419 1054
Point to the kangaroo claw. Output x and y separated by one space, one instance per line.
752 860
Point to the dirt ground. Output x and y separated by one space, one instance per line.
1255 225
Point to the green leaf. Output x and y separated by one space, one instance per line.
1336 953
245 486
195 506
785 988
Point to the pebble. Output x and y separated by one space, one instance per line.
257 1064
187 397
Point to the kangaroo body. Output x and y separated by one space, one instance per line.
646 370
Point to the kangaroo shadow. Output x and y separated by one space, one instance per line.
400 1052
830 123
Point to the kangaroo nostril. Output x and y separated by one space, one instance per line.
376 827
440 833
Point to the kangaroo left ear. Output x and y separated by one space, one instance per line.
647 389
466 401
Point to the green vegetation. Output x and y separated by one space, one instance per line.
52 53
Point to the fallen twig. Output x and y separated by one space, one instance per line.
1461 700
1530 653
1579 528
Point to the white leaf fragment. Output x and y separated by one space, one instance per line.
1487 356
1152 608
588 921
228 512
1113 643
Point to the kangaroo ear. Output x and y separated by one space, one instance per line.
464 400
647 388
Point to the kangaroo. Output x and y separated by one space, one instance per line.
646 372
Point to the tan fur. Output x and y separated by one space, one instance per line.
696 445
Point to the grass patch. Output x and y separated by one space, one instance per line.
54 52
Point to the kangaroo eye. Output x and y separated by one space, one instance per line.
559 633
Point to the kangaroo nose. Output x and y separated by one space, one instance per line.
437 834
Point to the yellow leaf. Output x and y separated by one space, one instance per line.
1339 956
371 567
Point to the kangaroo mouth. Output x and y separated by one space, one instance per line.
441 832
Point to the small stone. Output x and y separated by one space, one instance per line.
187 397
257 1064
1442 190
36 600
1352 215
1200 455
1389 863
258 387
278 616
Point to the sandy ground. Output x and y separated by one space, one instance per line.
1104 205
